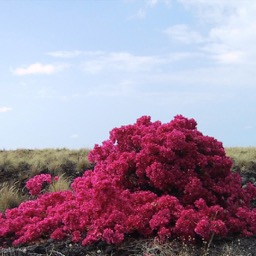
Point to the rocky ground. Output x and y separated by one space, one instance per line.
227 247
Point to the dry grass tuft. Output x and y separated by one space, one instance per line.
61 184
10 197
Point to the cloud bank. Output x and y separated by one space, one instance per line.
5 109
39 68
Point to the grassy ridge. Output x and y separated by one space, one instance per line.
21 164
50 158
71 162
244 157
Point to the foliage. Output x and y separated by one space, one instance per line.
150 179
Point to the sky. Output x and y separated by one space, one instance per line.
72 70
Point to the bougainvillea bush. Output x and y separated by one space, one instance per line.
150 180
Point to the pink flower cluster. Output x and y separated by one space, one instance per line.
35 184
152 179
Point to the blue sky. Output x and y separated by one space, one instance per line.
70 71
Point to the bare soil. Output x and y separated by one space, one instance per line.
224 247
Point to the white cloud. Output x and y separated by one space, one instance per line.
153 3
215 11
5 109
237 35
125 62
217 77
95 62
140 14
39 68
248 127
148 4
74 54
229 30
65 54
229 57
184 34
74 136
182 98
121 61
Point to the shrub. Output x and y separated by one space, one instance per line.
150 179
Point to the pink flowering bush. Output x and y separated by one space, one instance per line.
150 179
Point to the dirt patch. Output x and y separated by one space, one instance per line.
224 247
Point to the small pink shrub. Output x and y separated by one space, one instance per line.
150 179
35 184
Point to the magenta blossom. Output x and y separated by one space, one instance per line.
35 184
